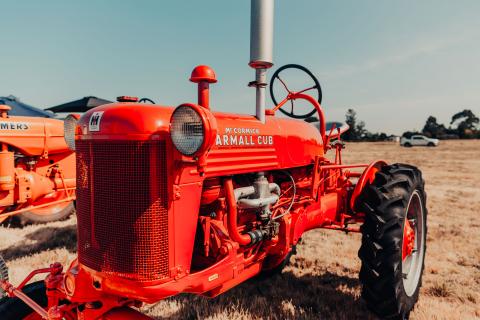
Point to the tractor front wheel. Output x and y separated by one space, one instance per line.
16 309
278 269
393 241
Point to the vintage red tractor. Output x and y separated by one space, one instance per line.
37 169
187 200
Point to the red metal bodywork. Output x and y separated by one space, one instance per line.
176 226
37 170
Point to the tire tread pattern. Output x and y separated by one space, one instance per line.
384 203
3 273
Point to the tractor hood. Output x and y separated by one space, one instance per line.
33 136
125 121
242 143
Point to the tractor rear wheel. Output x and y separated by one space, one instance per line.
3 273
16 309
393 241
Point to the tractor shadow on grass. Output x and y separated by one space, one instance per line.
46 238
285 296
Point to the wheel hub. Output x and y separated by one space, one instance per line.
413 247
408 239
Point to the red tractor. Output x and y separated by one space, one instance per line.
187 200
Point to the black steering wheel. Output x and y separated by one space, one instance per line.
145 100
276 76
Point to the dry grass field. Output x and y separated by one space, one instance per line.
321 282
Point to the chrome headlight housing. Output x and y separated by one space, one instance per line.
191 129
69 126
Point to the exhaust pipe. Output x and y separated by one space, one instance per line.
261 49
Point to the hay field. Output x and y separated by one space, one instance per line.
321 282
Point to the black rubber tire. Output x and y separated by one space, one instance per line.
268 273
33 218
385 203
430 144
407 145
15 309
3 273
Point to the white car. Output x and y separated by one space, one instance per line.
418 140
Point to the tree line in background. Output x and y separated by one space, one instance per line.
358 132
463 125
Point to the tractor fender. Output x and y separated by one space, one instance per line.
365 179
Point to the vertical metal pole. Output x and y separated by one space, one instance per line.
261 49
261 80
261 33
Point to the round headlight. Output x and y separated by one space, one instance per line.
69 125
187 130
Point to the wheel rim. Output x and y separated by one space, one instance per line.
49 210
413 248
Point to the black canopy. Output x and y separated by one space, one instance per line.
23 109
81 105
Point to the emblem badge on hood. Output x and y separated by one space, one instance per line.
94 122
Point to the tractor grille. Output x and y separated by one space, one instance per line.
122 208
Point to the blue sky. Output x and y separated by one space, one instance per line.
394 62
